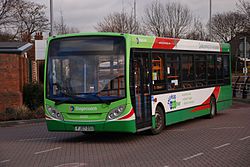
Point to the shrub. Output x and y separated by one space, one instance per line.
39 113
33 95
23 112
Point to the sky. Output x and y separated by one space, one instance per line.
85 14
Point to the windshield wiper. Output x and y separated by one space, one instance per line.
96 96
66 95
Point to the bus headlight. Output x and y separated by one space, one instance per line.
113 114
54 113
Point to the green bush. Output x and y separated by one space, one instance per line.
33 95
23 112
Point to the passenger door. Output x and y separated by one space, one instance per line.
141 88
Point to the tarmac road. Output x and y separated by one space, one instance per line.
221 141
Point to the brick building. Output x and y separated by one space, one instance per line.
14 73
237 52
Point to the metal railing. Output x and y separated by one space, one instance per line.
241 86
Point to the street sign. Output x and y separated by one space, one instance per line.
245 70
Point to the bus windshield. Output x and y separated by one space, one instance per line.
86 69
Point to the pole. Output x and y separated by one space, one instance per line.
245 56
136 31
51 17
135 10
210 21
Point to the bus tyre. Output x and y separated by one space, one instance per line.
212 107
159 121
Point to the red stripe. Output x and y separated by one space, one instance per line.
205 104
47 117
165 43
220 47
130 114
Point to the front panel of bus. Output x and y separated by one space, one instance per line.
86 86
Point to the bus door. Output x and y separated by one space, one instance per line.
140 93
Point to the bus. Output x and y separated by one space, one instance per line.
112 82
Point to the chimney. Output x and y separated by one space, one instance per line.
39 36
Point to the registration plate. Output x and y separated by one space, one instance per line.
84 128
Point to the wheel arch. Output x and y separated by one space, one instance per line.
163 108
213 95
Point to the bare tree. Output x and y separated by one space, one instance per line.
198 31
178 19
6 12
62 28
244 8
29 18
155 20
225 26
173 20
119 22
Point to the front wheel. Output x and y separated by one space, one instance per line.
212 107
159 121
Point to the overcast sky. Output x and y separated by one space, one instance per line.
85 14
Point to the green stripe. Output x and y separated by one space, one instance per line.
182 115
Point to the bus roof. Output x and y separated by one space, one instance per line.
152 42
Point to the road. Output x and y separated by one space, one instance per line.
221 141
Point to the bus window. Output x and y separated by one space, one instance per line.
219 69
173 71
226 69
211 69
158 71
200 70
187 69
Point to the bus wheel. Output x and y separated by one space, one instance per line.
212 107
159 121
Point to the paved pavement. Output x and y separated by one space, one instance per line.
222 141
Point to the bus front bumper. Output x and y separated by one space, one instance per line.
108 126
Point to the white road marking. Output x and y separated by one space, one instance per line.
239 127
177 130
193 156
223 145
71 165
244 138
34 139
4 161
44 151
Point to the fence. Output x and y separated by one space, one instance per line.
241 86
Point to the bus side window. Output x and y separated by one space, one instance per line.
219 69
211 69
226 69
173 71
187 69
158 71
200 70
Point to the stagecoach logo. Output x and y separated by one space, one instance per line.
172 103
139 40
77 109
71 108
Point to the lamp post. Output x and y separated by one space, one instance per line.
210 21
51 17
